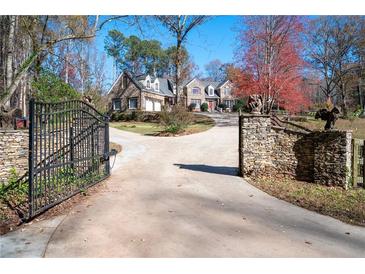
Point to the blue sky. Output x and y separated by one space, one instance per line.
215 39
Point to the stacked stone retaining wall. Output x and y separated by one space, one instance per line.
322 157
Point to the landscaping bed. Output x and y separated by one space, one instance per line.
345 205
199 123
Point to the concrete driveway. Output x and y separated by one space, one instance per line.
180 197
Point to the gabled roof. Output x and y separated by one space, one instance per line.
210 83
137 83
222 83
188 82
165 88
166 85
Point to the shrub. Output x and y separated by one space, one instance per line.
138 116
176 120
204 107
117 116
192 106
134 116
50 88
222 106
239 105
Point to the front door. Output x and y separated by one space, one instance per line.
211 105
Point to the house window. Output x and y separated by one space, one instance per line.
197 103
228 103
148 84
227 91
195 90
117 105
211 91
132 103
157 87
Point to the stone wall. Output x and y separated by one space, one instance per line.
256 145
13 153
332 157
320 157
293 154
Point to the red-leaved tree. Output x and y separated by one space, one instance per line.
270 63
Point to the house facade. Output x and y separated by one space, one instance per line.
148 93
198 91
142 92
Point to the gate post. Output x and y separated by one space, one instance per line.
31 157
71 141
363 164
240 145
106 146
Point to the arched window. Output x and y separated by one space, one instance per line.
195 90
211 91
148 84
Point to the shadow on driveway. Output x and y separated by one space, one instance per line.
224 170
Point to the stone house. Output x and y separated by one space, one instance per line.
142 92
149 93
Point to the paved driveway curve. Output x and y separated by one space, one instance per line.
180 197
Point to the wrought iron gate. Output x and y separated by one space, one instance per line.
359 162
68 151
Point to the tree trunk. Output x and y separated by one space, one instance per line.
10 53
177 67
23 71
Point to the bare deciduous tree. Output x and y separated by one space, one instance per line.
180 26
45 33
331 44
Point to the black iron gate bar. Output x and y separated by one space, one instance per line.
68 151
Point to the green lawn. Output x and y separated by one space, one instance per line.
357 125
345 205
200 123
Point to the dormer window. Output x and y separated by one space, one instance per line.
148 84
211 91
157 87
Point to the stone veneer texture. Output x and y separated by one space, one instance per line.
323 157
13 153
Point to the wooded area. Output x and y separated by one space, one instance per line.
294 62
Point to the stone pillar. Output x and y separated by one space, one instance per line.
13 153
332 158
255 144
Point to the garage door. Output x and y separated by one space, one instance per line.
157 105
149 105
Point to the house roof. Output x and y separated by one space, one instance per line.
210 83
222 83
209 96
166 85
